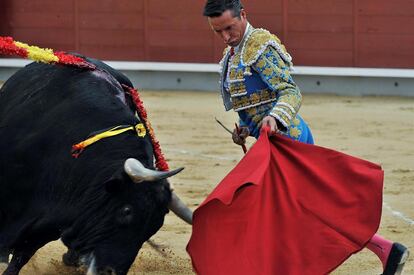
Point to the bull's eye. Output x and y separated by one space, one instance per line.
125 215
127 210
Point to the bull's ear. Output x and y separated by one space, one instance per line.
115 183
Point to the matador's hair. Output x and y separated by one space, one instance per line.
214 8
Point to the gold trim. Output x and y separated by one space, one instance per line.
236 73
257 98
257 43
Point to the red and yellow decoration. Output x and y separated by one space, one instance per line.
160 161
78 148
9 47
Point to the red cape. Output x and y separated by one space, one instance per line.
287 208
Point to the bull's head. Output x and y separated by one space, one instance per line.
139 173
138 201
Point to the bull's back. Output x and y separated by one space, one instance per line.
44 110
43 98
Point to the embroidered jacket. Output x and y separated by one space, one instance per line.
259 83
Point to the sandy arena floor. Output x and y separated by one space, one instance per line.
379 129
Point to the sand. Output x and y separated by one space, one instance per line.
378 129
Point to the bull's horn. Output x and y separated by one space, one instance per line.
138 173
180 209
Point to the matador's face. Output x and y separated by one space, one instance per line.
230 28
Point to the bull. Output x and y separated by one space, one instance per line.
104 204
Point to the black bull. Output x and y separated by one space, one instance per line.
90 202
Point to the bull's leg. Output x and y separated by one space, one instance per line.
4 256
24 251
22 254
19 259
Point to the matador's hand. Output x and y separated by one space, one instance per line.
239 135
269 121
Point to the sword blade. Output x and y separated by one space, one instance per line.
222 125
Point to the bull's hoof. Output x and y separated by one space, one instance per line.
396 260
71 258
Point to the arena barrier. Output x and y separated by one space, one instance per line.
204 77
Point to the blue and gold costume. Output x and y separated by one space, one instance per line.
256 82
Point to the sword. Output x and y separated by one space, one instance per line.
222 125
228 130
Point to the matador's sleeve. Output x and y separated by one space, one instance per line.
275 73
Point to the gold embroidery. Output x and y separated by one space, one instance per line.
274 81
255 98
232 73
295 132
292 100
244 100
261 63
296 121
255 43
247 71
237 88
236 59
265 94
268 71
236 73
276 60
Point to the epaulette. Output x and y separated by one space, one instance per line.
257 42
